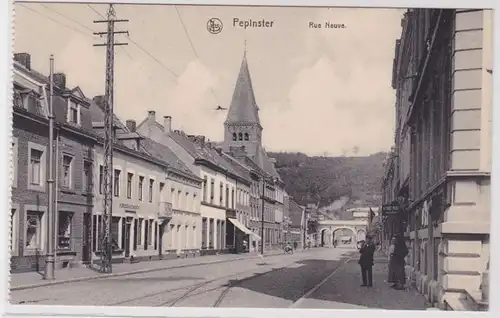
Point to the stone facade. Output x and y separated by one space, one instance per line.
444 199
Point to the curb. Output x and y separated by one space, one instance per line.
139 271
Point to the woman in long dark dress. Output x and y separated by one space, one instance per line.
391 279
400 253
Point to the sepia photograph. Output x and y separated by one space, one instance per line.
173 155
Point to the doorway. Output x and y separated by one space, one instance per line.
87 238
127 237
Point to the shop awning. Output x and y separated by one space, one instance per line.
240 226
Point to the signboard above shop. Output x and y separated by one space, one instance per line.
390 209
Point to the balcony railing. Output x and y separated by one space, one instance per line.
164 210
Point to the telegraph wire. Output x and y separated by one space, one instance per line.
192 46
54 20
67 18
141 48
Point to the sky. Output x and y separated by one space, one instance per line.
320 91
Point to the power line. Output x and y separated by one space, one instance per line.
142 49
53 20
192 45
67 18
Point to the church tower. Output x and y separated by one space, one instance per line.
242 126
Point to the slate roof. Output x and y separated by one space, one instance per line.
165 154
238 166
148 147
243 107
204 153
59 102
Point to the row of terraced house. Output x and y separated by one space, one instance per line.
438 173
174 194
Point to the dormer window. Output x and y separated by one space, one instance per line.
73 112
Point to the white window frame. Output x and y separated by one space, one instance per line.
43 167
14 248
43 230
116 183
90 181
131 196
15 161
151 189
68 117
140 191
71 169
71 216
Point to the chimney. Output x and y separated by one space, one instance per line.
60 80
99 100
167 124
24 59
131 125
151 115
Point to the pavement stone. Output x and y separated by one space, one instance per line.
19 281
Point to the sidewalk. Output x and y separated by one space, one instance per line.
343 291
35 279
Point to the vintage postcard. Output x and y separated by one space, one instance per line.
170 155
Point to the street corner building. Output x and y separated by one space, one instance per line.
438 174
73 161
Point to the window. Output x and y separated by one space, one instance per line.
141 184
66 173
221 193
87 176
101 179
246 136
160 190
240 136
151 187
227 196
36 167
234 137
146 234
232 198
150 232
64 230
14 162
115 226
13 231
139 232
73 112
193 208
172 198
116 181
186 202
212 190
205 184
155 225
34 230
130 177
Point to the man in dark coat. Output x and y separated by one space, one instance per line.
366 261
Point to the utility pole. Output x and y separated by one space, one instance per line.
50 260
107 238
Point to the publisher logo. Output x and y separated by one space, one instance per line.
214 26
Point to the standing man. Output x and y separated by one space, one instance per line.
366 261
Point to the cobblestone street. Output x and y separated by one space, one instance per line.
275 282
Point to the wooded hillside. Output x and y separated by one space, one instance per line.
326 179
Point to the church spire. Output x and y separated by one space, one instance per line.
243 108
